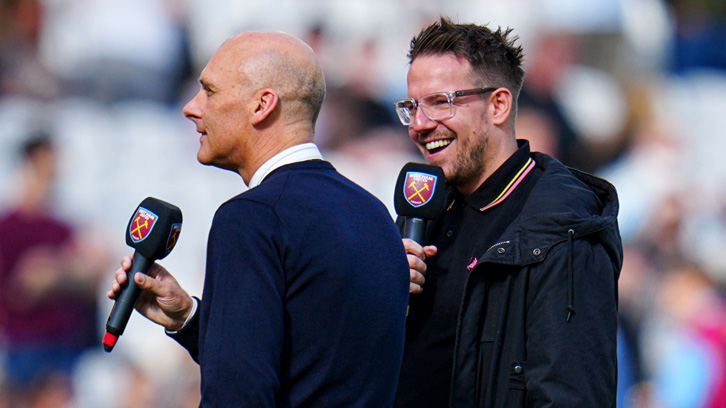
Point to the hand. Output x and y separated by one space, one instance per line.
162 299
417 267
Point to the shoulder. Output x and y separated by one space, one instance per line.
563 188
568 201
315 178
243 214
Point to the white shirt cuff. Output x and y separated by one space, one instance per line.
195 304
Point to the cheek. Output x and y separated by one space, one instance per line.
218 117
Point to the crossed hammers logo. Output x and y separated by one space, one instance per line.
418 191
137 231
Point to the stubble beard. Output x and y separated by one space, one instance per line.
468 165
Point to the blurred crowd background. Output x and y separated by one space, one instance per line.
90 124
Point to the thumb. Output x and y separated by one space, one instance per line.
430 251
146 282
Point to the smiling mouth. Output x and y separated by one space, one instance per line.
437 145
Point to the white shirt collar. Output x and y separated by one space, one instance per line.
298 153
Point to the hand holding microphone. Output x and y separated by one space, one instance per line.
419 197
153 231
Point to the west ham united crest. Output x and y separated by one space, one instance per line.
419 188
142 224
173 237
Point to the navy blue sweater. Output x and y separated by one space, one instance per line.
304 297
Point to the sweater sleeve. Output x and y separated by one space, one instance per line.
188 336
572 329
242 307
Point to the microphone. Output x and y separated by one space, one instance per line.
153 231
419 197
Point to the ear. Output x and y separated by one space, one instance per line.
267 101
501 100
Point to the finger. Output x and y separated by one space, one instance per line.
126 263
157 271
121 276
417 277
416 263
115 288
429 251
414 288
412 247
148 283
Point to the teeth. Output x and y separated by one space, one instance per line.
437 144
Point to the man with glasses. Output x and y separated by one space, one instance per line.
514 292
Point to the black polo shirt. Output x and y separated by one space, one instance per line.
467 227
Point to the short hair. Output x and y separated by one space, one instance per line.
294 81
493 55
36 142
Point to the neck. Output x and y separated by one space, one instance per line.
270 144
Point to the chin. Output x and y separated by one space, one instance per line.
203 160
437 160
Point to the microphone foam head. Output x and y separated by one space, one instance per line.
154 228
419 191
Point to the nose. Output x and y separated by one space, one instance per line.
421 123
191 109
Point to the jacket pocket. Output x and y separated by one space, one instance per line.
516 375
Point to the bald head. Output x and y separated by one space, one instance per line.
284 63
259 94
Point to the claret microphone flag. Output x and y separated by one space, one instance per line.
419 197
153 231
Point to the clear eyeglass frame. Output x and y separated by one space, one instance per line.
435 106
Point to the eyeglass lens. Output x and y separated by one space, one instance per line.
405 110
435 106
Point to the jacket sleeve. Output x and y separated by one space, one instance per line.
572 328
188 336
242 306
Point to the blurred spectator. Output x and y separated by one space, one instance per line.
349 114
117 50
636 299
575 109
648 173
4 393
21 71
691 364
540 129
547 63
48 286
700 32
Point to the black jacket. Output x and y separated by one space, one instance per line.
538 320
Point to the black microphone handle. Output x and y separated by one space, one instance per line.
414 228
126 299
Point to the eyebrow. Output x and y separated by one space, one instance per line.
204 84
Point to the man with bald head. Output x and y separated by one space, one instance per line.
306 280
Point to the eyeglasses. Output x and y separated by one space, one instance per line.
435 106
